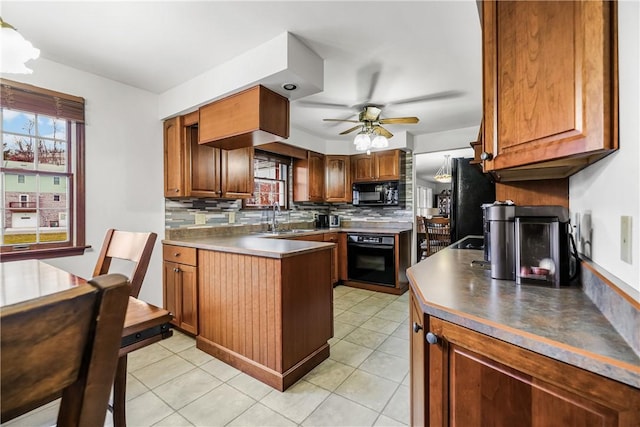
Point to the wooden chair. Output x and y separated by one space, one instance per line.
135 247
64 344
438 234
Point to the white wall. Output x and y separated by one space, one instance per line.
611 187
124 164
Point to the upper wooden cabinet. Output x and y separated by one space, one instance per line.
377 166
337 185
308 178
175 162
194 170
251 117
550 87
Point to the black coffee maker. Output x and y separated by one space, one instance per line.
322 221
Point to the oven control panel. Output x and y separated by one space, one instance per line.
371 239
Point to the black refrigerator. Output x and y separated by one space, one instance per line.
470 189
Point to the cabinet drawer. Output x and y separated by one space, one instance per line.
179 254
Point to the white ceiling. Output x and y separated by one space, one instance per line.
379 52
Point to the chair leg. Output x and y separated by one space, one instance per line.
119 393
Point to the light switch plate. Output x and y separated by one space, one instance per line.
232 217
201 219
625 238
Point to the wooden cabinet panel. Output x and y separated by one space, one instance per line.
337 179
174 158
237 173
550 86
476 380
343 273
387 164
308 178
335 260
205 167
377 166
180 291
251 117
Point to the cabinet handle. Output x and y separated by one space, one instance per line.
177 254
416 328
431 338
486 156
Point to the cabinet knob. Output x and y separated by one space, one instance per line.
486 156
176 254
416 328
176 190
176 270
431 338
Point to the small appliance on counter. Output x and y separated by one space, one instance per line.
334 221
530 244
322 221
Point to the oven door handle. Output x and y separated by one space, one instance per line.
372 246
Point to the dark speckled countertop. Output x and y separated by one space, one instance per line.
561 323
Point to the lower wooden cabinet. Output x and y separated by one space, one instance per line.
333 238
180 286
460 377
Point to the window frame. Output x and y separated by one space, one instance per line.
32 99
265 155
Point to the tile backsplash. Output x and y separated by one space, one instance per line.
181 213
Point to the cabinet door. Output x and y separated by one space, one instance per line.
337 179
485 381
550 84
205 168
188 295
419 375
342 257
387 165
362 168
237 173
174 159
171 290
316 176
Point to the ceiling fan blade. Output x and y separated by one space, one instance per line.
382 131
340 120
350 130
317 104
431 97
396 120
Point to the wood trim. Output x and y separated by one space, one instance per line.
535 193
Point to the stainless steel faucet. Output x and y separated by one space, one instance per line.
276 207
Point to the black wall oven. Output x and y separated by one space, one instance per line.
371 258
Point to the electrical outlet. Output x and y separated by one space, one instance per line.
232 217
201 219
625 238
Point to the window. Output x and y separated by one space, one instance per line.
42 177
271 176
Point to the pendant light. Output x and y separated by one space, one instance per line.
15 51
444 173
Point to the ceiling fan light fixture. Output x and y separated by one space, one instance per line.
15 50
444 173
379 142
362 141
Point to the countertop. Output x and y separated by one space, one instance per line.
271 245
561 323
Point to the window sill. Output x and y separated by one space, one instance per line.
18 255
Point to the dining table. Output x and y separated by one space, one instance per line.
144 324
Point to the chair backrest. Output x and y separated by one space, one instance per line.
438 234
64 344
127 245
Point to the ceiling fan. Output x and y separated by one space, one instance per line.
369 122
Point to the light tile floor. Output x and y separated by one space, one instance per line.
365 382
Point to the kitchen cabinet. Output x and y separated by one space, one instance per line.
308 178
194 170
550 87
254 116
337 186
335 256
377 166
462 377
175 161
180 290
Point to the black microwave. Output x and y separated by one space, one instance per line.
376 193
